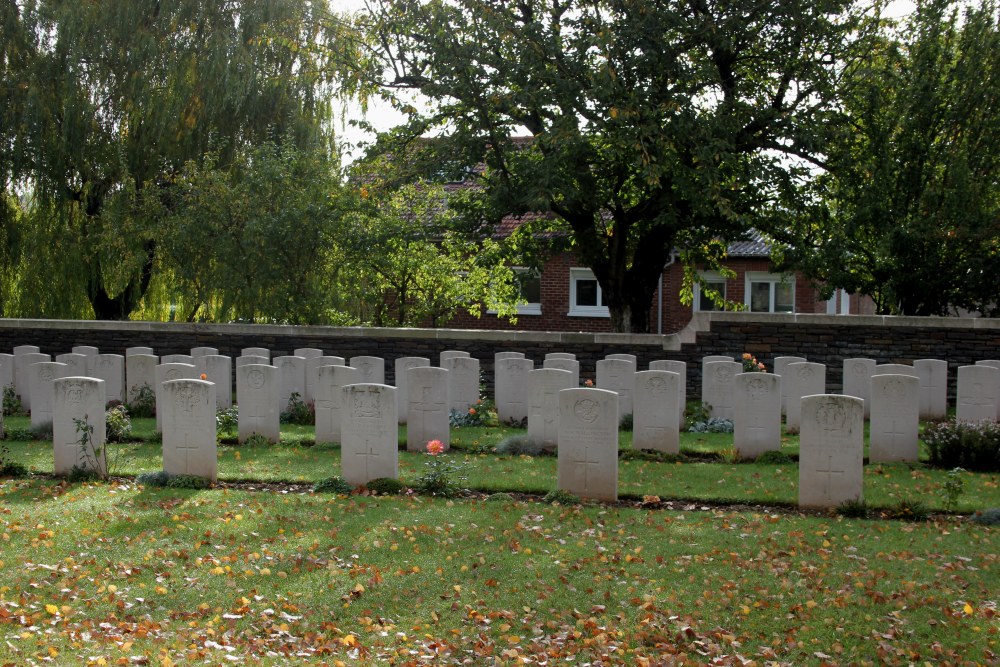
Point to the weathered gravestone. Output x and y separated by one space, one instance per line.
992 363
427 407
165 373
978 393
330 382
41 376
655 421
894 369
247 359
464 378
511 380
718 387
218 369
293 379
780 365
757 414
559 355
203 351
933 374
177 359
312 372
369 442
77 446
831 450
372 369
256 352
680 368
401 365
85 350
129 351
500 356
258 387
22 377
77 365
450 354
308 352
858 380
618 375
564 364
624 357
140 371
544 386
588 443
111 369
6 372
895 418
189 428
804 378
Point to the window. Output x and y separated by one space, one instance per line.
585 296
713 281
770 293
530 283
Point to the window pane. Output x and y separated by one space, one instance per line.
784 297
760 297
586 293
531 287
706 303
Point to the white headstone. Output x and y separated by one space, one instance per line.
41 376
757 423
624 357
312 372
189 428
6 372
248 359
655 422
718 387
894 369
804 378
588 443
450 354
978 393
831 450
79 398
26 349
895 418
22 378
991 363
510 377
780 368
111 369
559 355
77 365
372 369
197 352
330 381
544 386
464 379
164 373
140 371
293 379
858 380
564 364
256 352
618 375
258 387
933 374
177 359
218 369
680 368
427 406
129 351
85 350
401 365
369 442
500 356
308 352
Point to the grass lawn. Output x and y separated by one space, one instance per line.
114 573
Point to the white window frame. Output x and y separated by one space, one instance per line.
579 273
711 276
524 308
772 278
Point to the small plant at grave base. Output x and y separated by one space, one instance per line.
41 432
9 467
730 455
442 477
954 486
697 412
853 509
513 422
520 445
712 425
143 403
906 509
117 424
153 479
21 434
971 445
256 440
626 423
165 480
335 484
990 517
11 401
560 497
751 365
298 412
483 413
629 454
90 453
227 422
774 457
501 497
386 486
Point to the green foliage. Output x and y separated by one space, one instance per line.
11 401
626 423
298 412
256 440
774 457
227 422
990 517
441 477
386 486
973 446
560 497
483 413
162 479
143 403
155 479
25 434
93 461
629 454
953 488
712 425
117 424
696 412
500 498
853 509
751 365
909 509
9 467
520 445
335 484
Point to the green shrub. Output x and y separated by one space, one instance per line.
21 434
990 517
386 486
227 422
333 484
256 440
969 445
298 412
143 404
774 457
908 510
164 479
41 432
11 401
520 445
628 454
483 413
441 477
500 498
9 467
158 478
853 509
626 423
561 497
954 487
117 425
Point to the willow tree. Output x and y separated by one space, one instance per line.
654 126
109 100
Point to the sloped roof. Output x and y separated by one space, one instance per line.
754 245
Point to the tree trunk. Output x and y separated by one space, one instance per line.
120 306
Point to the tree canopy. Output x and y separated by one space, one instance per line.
654 126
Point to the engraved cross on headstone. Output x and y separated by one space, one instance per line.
584 464
185 447
828 472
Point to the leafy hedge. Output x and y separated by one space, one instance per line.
969 445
